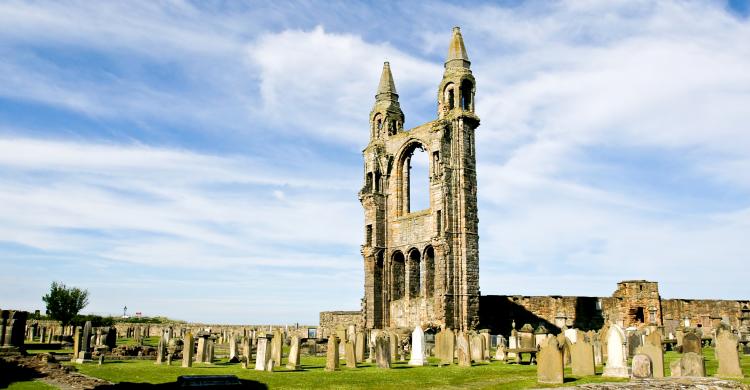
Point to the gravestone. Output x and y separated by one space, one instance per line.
187 350
572 335
641 366
500 353
263 360
76 342
464 349
382 351
351 360
160 351
727 355
359 346
200 354
616 360
418 355
692 364
446 345
233 355
512 344
634 341
598 359
485 344
247 351
582 358
209 352
476 347
111 339
653 348
276 346
332 355
293 362
691 342
85 354
550 362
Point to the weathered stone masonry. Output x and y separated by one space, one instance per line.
422 266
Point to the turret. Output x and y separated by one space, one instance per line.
456 92
386 118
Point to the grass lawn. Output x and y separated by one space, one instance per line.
481 376
495 375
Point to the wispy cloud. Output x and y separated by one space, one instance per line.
225 155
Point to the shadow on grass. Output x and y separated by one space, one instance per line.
12 372
244 384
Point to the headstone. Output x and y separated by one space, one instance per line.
641 366
485 344
582 358
233 355
382 351
616 359
276 346
263 360
512 344
598 359
418 354
572 335
464 349
247 351
187 350
293 362
692 364
101 359
111 339
359 346
332 355
653 348
634 341
200 354
550 362
351 360
160 352
446 345
727 355
500 353
76 342
477 348
691 342
209 352
85 354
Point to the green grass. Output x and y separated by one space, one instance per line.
401 376
30 385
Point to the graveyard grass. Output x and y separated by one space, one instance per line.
481 376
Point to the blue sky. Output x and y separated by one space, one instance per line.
201 160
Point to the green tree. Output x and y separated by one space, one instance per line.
64 303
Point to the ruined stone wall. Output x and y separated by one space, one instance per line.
332 320
704 313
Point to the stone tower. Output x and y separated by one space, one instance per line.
422 266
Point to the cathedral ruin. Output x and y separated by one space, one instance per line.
422 266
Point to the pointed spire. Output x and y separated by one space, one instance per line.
386 88
457 56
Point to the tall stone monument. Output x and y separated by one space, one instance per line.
413 256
